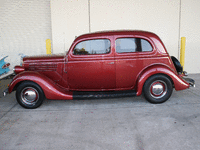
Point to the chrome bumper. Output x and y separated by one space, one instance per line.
190 81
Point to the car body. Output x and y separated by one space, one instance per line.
101 64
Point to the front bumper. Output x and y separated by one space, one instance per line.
190 81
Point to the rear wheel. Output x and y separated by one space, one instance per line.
29 95
157 89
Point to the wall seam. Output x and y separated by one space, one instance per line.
89 15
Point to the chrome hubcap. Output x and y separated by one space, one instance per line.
29 96
158 89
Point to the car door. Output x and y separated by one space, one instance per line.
132 56
91 65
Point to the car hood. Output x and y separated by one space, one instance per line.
44 58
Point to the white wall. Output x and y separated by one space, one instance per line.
69 19
158 16
169 19
190 28
26 24
24 27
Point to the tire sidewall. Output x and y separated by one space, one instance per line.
36 87
146 89
177 64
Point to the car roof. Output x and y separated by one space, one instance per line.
118 32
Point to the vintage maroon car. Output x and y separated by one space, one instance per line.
101 65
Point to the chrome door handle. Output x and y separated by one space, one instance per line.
111 63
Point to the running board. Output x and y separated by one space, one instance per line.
100 95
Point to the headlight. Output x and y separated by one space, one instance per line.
18 69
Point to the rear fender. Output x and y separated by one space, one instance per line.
50 89
179 83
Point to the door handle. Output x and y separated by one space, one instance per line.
111 63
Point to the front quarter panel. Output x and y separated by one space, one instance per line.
179 83
50 89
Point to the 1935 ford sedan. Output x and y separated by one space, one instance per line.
101 65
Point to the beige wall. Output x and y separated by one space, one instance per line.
161 17
190 28
24 27
70 18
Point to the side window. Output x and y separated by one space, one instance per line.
124 45
146 46
127 45
92 47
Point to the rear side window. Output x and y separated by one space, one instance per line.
127 45
92 47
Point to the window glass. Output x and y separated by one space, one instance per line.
146 46
126 45
89 47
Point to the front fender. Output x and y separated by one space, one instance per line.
179 83
50 89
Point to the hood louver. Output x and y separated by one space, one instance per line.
42 67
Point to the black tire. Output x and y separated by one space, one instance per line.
157 89
29 95
177 64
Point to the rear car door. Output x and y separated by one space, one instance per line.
132 55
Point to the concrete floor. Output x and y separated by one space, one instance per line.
105 124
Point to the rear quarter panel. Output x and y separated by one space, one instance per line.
178 82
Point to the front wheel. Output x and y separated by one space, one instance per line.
157 89
29 95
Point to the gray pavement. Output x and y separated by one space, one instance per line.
105 124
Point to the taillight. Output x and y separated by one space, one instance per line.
6 66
